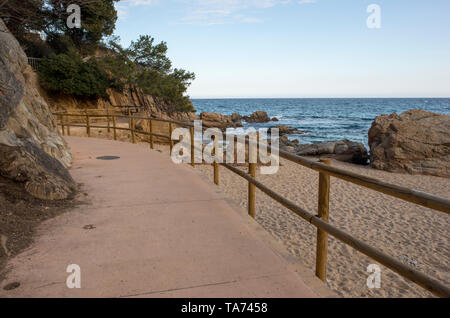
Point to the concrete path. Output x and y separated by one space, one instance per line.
158 230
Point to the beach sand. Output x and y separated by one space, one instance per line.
413 234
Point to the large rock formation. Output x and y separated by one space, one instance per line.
417 142
153 106
217 120
31 149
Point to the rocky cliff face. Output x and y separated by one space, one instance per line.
417 142
155 107
31 149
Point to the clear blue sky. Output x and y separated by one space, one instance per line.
321 48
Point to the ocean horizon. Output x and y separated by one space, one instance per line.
323 119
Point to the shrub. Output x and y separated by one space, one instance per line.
69 74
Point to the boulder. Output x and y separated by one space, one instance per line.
284 141
257 117
217 120
275 119
31 149
343 150
236 118
416 142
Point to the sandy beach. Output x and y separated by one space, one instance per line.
413 234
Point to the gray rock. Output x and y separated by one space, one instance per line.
284 141
343 150
217 120
287 148
31 148
257 117
236 118
417 142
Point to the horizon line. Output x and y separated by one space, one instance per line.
433 97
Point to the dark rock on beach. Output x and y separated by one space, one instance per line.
343 150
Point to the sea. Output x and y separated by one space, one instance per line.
323 119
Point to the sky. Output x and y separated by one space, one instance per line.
300 48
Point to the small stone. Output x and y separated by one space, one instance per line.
11 286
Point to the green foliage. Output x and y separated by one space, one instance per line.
49 17
69 74
144 64
143 52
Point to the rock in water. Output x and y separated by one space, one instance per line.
257 117
31 149
417 142
217 120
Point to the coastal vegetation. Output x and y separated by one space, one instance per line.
85 62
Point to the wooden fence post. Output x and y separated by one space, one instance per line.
133 137
150 124
88 125
192 147
216 164
62 124
323 212
251 190
170 137
114 127
107 118
68 126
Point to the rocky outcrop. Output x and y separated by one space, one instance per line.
288 130
154 106
257 117
236 118
217 120
288 145
31 149
343 150
417 142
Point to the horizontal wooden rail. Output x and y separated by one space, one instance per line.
426 282
176 122
414 196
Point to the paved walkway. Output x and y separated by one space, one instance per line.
161 230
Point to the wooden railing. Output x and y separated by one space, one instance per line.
34 62
320 221
129 109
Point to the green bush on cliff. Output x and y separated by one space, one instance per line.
144 64
69 74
